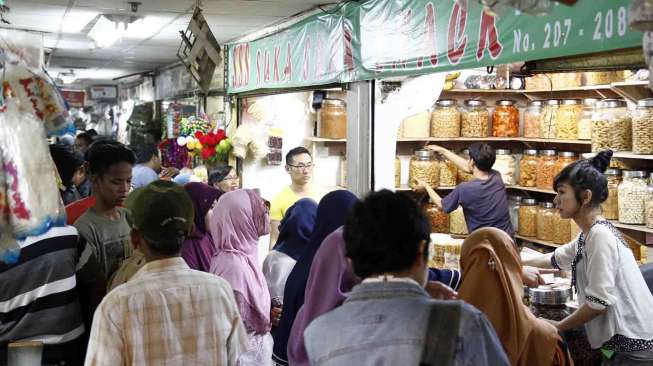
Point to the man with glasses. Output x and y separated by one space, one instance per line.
299 165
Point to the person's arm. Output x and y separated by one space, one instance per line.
274 232
542 261
435 198
580 317
459 162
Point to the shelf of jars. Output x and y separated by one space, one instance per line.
322 139
623 155
638 228
537 241
491 139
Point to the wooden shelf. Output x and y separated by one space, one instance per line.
320 139
531 189
623 155
555 141
408 189
537 241
489 139
639 228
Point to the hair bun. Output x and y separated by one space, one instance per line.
602 160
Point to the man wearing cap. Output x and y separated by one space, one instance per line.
167 312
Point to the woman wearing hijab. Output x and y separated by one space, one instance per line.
294 232
198 249
331 214
492 270
240 218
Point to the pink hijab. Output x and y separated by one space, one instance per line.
330 280
239 219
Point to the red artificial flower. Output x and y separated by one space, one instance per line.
198 134
221 135
211 140
206 153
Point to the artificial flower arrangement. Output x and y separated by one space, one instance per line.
201 140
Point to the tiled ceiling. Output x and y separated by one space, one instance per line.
64 24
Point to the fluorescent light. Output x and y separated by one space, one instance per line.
68 77
104 33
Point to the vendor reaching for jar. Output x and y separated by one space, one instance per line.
483 199
616 306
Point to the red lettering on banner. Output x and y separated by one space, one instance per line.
258 67
237 74
488 29
277 55
287 70
349 49
247 69
457 40
266 77
307 55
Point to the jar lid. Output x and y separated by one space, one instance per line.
550 295
529 201
552 102
634 174
515 198
503 151
648 102
612 103
567 154
505 102
547 152
424 153
446 102
547 204
530 152
589 102
334 102
613 172
536 103
571 102
475 103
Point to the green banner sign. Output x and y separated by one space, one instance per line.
383 38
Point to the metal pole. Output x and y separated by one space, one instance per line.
360 100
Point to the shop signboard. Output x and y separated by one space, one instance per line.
379 38
74 98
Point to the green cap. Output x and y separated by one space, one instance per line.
162 210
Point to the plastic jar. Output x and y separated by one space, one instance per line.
610 207
474 119
505 119
643 127
567 119
532 118
513 209
464 176
632 197
561 229
457 224
332 119
445 119
528 168
448 173
439 219
548 119
611 126
416 126
397 171
546 169
505 164
528 218
564 158
585 122
423 166
550 302
649 207
545 214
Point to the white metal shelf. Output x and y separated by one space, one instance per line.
537 241
623 155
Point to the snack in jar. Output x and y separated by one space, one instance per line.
564 158
567 119
546 169
474 119
532 118
549 118
549 301
649 206
457 224
565 80
528 168
611 126
439 220
416 126
528 218
632 197
423 166
445 119
332 119
397 171
448 173
610 207
545 214
505 164
643 127
598 77
505 119
585 122
561 229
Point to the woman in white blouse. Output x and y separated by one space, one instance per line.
616 306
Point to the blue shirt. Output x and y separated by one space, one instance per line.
484 203
143 175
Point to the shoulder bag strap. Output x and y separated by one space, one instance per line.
441 334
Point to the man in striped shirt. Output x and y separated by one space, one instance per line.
39 294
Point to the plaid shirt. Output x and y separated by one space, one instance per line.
168 314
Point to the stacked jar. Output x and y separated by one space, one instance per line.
397 172
643 127
475 119
416 126
528 168
546 169
505 164
332 119
611 126
448 173
585 122
564 158
548 119
544 221
649 204
610 207
632 197
439 219
561 229
423 166
528 218
532 117
567 119
445 119
513 210
457 224
505 119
